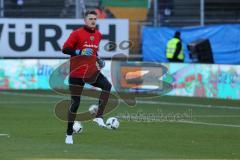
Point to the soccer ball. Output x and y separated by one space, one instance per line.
93 109
112 123
77 127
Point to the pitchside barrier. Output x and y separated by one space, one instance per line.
194 80
223 39
40 38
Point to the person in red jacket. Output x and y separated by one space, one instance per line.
85 65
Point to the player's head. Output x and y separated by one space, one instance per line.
177 34
90 19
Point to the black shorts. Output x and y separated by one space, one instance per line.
100 81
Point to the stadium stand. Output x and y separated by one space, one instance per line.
183 12
187 13
220 11
44 8
33 9
136 12
69 7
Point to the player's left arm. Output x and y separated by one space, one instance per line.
100 62
178 50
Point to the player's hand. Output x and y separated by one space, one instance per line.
85 52
100 63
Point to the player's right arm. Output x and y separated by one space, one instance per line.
69 46
178 50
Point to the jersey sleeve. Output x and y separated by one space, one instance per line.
100 38
71 41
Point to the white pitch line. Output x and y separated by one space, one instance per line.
27 102
145 102
4 135
36 102
216 116
187 104
191 122
138 101
210 124
31 95
86 102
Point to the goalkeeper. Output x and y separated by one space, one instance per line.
85 65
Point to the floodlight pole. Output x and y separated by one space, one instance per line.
202 12
77 9
2 8
155 14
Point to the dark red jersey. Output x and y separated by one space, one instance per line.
83 66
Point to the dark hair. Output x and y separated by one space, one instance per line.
90 12
177 34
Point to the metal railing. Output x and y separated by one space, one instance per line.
1 8
183 13
197 12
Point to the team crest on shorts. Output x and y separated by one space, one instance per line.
92 38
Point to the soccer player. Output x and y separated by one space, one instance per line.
85 66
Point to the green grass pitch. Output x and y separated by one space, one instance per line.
208 129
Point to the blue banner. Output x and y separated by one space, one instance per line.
224 39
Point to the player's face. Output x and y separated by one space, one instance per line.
90 20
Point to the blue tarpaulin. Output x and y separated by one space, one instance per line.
224 39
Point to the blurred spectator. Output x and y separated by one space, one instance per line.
150 2
82 7
150 10
174 51
17 3
109 13
20 2
165 7
164 10
103 12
